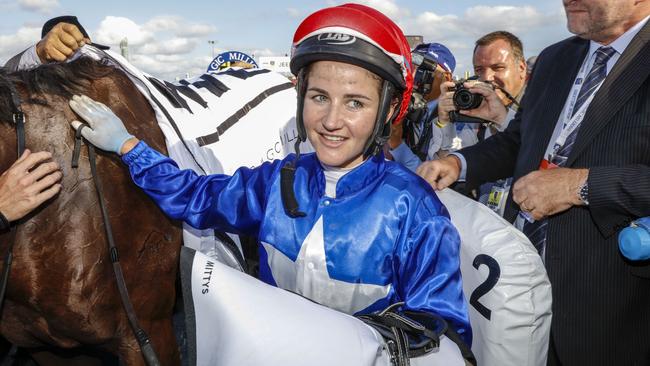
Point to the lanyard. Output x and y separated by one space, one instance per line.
570 124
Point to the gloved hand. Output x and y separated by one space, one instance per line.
60 43
106 131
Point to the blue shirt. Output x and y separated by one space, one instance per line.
385 238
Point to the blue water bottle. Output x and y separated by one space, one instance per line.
634 240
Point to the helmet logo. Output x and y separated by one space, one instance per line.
336 38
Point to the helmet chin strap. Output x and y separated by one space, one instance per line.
288 171
380 134
381 131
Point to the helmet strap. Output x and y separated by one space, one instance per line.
380 135
288 171
301 88
381 131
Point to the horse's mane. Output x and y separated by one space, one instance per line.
62 79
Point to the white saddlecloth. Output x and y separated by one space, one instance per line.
245 322
519 304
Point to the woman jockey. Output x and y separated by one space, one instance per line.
341 226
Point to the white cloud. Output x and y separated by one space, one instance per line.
179 26
164 46
113 29
293 12
388 7
13 43
262 52
171 67
172 46
196 30
459 31
40 6
516 19
433 26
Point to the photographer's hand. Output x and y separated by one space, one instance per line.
492 108
445 102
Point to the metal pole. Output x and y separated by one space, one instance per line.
212 43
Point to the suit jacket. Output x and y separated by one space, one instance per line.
601 302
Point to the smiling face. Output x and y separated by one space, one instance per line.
497 63
340 109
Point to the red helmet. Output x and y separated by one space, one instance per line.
362 36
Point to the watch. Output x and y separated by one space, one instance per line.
583 193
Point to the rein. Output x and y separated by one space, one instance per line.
141 336
19 120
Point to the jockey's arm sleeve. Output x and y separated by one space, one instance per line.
27 59
233 204
429 270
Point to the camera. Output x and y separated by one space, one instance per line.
463 98
424 74
416 131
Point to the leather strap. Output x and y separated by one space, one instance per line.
19 120
141 336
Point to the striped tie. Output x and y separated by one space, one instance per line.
536 231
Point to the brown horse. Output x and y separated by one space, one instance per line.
62 292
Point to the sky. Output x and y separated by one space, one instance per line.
170 39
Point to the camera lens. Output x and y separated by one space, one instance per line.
464 99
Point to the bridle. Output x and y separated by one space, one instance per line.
19 120
141 336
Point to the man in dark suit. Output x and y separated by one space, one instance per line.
579 151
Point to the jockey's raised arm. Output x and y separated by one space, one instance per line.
61 37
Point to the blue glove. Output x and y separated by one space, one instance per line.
106 131
634 241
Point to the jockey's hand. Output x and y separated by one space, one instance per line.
60 43
30 181
106 130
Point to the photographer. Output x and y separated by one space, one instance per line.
500 66
420 137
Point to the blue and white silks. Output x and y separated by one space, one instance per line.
386 238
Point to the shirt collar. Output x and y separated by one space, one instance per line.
621 43
361 176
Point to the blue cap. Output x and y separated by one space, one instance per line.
438 53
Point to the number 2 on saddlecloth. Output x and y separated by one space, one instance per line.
487 285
